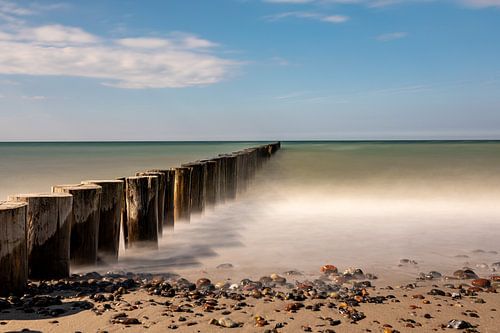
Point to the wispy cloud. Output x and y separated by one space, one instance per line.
482 3
178 60
387 3
35 98
289 1
336 19
391 36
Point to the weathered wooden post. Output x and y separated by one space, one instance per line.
182 194
112 193
162 186
168 209
211 182
142 211
221 179
13 248
123 219
85 227
231 176
49 218
169 199
197 186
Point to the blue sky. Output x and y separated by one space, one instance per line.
249 69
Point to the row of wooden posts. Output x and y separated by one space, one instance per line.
41 235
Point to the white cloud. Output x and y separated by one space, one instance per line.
143 43
35 98
335 18
289 1
391 36
482 3
181 60
309 15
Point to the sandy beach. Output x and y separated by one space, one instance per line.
213 300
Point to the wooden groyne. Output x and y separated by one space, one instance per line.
41 235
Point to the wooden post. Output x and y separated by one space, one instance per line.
168 209
169 199
49 218
108 243
123 219
182 194
197 186
162 186
13 250
85 227
211 168
220 186
142 211
231 181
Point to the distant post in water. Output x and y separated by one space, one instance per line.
13 249
49 218
142 211
85 227
108 243
182 194
162 185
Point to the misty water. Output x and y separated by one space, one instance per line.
362 204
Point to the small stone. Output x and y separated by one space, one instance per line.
329 269
225 266
227 322
482 283
458 324
203 282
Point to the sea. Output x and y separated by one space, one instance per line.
365 204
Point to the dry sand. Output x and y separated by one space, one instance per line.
406 307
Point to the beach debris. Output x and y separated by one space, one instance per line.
329 269
458 324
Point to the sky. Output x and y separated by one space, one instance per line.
249 70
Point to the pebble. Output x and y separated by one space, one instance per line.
458 324
482 283
227 322
329 269
225 266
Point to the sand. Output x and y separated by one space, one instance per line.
406 307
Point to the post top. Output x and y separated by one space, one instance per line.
76 187
38 195
102 181
8 205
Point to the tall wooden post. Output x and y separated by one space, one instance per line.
231 176
49 218
211 168
197 186
142 211
112 193
13 249
162 186
182 194
85 227
168 209
221 179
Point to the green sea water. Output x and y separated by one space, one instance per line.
365 204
